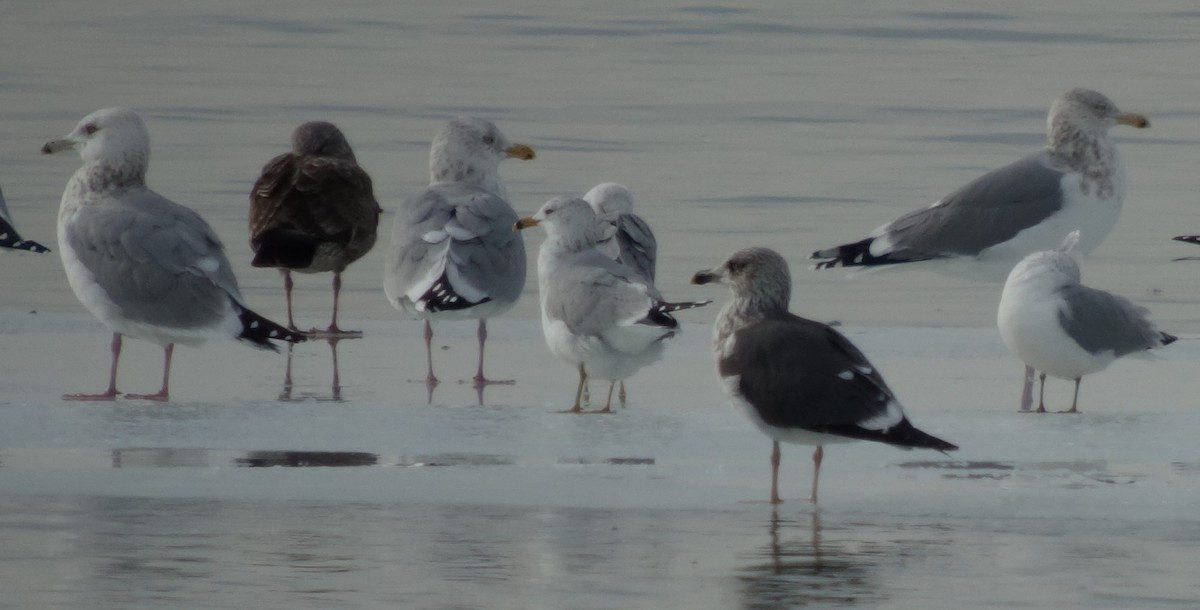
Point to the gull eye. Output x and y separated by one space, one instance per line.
549 211
489 140
90 128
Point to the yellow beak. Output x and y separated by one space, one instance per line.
524 223
520 151
1133 120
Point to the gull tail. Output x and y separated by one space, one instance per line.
285 248
259 331
660 312
10 239
858 254
1166 339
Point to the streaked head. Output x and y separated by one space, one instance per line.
1090 111
755 273
113 136
470 149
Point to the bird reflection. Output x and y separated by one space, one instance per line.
789 572
335 392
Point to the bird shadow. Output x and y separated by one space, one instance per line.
290 393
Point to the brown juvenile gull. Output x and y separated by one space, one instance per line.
313 210
798 380
1056 325
599 315
148 267
9 238
625 238
1077 182
454 254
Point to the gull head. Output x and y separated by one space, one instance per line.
568 220
1060 266
470 149
758 274
115 137
610 200
1090 112
321 139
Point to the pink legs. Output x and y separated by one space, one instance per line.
1027 389
287 290
818 455
162 394
479 379
775 473
111 392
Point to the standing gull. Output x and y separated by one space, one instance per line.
1076 182
601 316
625 236
9 238
1060 327
146 266
798 380
453 253
313 210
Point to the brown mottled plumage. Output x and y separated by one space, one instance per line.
313 210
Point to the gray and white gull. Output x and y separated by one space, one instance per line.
797 380
146 266
453 253
1058 326
598 314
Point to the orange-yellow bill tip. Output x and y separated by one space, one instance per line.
1133 119
520 151
524 223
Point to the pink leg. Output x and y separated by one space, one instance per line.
1042 395
775 473
621 393
333 330
111 392
1027 389
479 379
818 455
578 408
1075 401
431 380
163 393
287 290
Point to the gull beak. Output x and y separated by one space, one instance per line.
59 145
1133 119
708 276
525 223
520 151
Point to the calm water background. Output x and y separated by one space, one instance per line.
780 124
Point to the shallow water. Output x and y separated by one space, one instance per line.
765 125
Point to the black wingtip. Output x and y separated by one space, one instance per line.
1190 239
442 297
259 331
858 254
9 238
1167 339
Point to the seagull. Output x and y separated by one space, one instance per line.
798 380
1188 239
625 238
146 266
9 238
313 210
453 254
599 315
1058 326
1076 182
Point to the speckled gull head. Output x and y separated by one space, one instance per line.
758 277
1062 263
1085 112
113 137
321 139
610 200
470 149
569 222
